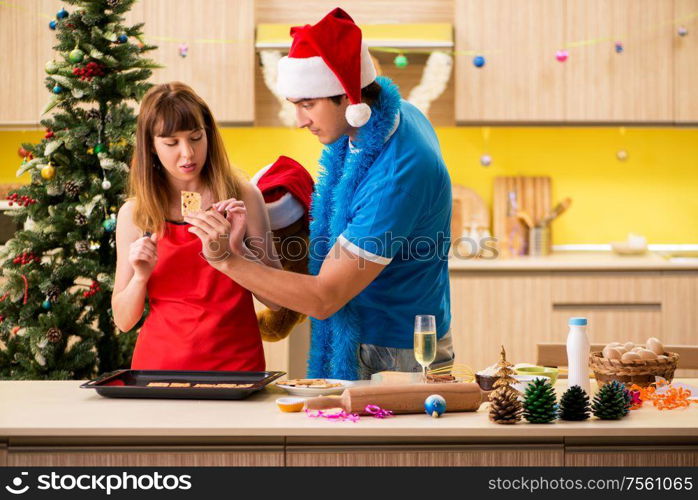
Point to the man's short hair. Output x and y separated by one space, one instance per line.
369 94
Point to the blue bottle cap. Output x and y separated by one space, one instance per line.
577 322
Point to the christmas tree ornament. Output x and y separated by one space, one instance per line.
435 405
122 39
539 402
113 209
505 407
682 31
76 56
183 50
400 61
57 89
100 148
46 304
51 67
612 402
61 14
622 155
478 61
22 153
80 220
52 293
106 185
94 245
574 404
485 160
49 134
93 114
52 25
113 3
561 55
619 47
109 224
82 247
48 172
72 188
54 335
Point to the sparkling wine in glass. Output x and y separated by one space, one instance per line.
425 341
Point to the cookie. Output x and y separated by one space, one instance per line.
190 202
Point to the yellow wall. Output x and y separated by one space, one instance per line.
654 192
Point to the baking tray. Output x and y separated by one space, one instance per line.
134 384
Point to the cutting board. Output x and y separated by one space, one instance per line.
533 196
469 210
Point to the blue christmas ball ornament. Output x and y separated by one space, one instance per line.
435 405
61 14
53 24
619 47
109 225
122 39
479 61
57 89
46 304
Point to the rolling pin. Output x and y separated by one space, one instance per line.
402 398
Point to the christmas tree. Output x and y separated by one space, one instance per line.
55 316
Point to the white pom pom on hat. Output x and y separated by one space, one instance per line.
358 114
328 59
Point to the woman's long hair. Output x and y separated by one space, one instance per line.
166 109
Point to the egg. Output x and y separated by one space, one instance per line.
629 346
637 349
662 357
630 356
655 345
647 354
611 353
614 344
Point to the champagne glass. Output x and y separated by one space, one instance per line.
425 341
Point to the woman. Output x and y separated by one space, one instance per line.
199 319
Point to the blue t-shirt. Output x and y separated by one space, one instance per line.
400 217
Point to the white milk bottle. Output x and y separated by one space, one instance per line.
578 354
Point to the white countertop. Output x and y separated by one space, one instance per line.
62 409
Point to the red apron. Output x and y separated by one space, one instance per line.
199 318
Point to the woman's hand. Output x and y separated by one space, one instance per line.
214 231
143 255
235 213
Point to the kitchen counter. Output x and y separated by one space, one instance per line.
51 422
576 261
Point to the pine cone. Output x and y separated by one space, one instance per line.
93 114
52 293
574 404
82 246
611 402
72 188
80 220
539 402
113 3
505 408
54 335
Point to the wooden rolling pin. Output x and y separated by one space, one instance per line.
402 398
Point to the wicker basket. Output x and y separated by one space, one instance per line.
640 372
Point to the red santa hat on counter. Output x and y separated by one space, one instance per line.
287 188
328 59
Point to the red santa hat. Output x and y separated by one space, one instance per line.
287 188
328 59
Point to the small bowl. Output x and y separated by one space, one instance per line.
522 381
546 371
290 405
486 382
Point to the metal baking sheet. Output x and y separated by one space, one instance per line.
134 384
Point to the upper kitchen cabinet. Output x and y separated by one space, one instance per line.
634 85
685 63
521 81
219 36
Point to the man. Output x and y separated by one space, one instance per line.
381 211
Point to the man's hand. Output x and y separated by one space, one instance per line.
214 231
